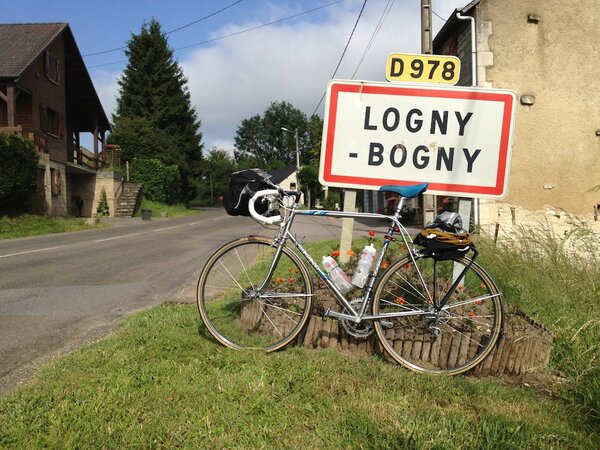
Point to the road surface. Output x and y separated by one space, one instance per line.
59 292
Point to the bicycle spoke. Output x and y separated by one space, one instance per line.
243 300
451 339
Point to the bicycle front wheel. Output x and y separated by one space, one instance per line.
436 323
246 303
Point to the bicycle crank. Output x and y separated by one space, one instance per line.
362 329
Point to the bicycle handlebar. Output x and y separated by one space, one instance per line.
258 217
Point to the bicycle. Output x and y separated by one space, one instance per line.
256 292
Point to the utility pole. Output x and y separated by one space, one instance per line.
426 31
429 201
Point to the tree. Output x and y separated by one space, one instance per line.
218 165
309 182
262 140
18 172
102 210
154 117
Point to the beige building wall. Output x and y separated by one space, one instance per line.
548 50
112 182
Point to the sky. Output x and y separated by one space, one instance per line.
240 56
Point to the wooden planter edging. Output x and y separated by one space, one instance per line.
524 347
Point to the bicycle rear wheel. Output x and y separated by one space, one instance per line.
450 338
241 307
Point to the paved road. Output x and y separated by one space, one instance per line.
59 292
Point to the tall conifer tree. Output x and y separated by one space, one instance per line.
154 117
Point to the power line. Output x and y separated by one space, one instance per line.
437 15
258 26
343 53
382 19
172 31
231 34
203 18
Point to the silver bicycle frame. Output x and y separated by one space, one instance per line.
353 315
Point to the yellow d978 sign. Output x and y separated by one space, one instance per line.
423 68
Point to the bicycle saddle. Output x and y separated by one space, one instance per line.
405 191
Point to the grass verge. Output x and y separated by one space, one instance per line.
156 383
177 210
556 280
30 225
161 382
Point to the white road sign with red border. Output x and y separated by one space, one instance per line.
457 139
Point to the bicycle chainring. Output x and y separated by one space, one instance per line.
360 330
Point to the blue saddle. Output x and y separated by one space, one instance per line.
405 191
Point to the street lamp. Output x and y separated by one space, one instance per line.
297 146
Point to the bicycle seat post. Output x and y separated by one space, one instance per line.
399 205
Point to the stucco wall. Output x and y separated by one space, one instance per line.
111 182
556 153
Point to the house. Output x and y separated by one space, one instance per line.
547 52
47 96
287 178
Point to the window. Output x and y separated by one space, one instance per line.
52 68
51 122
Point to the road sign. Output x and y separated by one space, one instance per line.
425 68
457 139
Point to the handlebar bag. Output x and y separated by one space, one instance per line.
242 187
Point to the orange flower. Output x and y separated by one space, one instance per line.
384 265
477 302
483 286
371 233
291 280
335 253
471 314
350 252
400 300
278 280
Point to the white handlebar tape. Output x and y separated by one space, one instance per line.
253 213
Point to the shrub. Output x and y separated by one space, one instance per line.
161 182
332 198
17 172
102 210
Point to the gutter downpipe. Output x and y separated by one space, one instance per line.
473 83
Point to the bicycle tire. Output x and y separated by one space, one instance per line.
237 313
451 340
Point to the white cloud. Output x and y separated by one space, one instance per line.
237 77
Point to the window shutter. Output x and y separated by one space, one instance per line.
47 64
58 71
60 122
43 118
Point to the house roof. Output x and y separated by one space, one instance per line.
278 175
22 43
453 23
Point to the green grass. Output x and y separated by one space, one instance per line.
30 225
161 382
561 289
177 210
157 383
